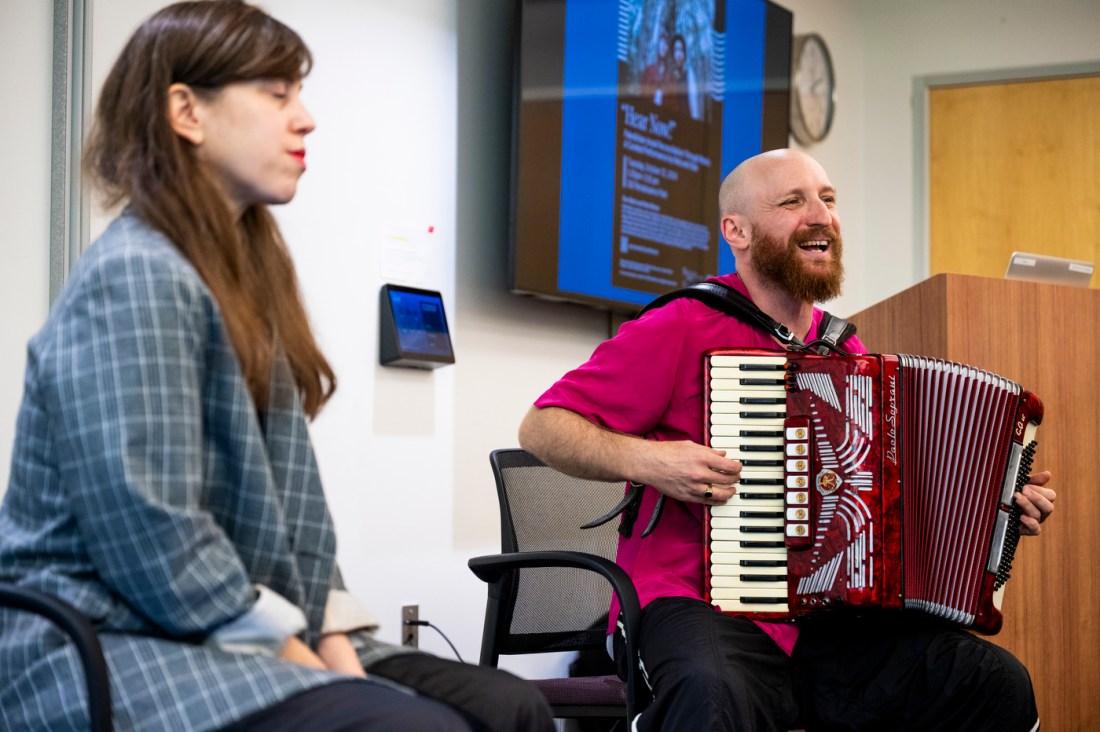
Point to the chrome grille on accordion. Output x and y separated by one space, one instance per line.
868 481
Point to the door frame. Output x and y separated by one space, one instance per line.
69 115
922 85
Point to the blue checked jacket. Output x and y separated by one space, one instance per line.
146 490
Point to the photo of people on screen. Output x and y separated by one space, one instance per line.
683 89
671 53
655 75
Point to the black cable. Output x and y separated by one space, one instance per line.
425 623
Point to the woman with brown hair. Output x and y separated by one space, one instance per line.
162 479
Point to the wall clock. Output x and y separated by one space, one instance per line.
813 89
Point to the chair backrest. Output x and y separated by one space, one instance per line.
542 509
80 631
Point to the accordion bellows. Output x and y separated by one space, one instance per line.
870 481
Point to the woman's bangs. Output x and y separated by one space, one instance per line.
276 52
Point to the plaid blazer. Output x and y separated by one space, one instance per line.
146 491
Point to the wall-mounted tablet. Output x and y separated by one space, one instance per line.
413 329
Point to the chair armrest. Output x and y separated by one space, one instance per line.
83 636
493 568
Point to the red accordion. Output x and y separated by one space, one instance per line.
868 481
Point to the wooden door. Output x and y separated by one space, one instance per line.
1014 166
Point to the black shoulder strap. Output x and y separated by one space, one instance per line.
725 299
834 330
731 302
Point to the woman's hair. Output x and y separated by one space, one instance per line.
134 155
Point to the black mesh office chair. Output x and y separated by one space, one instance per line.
550 588
84 639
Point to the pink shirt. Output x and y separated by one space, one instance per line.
648 381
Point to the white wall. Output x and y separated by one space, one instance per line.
382 158
411 100
26 28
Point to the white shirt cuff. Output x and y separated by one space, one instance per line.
345 614
264 629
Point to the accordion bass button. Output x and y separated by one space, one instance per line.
797 434
798 535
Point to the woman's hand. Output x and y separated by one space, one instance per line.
295 651
337 653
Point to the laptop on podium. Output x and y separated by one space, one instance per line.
1044 268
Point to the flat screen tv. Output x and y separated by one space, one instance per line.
628 114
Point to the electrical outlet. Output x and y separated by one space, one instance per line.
410 634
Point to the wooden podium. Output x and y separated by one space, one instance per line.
1046 338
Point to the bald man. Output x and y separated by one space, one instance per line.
634 412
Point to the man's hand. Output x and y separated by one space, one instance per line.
687 471
683 470
1037 503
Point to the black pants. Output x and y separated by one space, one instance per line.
450 697
710 671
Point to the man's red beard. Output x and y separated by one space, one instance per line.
782 264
